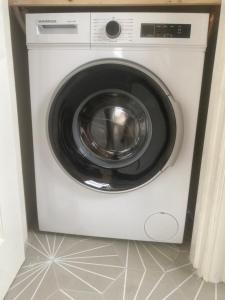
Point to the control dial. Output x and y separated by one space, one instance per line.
113 29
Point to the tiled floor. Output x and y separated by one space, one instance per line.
61 267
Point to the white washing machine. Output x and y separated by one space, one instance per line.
114 99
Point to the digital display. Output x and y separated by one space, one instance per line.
149 30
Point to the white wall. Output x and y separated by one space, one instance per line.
11 180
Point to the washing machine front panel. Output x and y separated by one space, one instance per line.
112 126
157 210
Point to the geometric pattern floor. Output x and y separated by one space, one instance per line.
63 267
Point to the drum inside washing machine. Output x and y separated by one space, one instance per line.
112 125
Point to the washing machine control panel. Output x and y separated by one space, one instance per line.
144 29
117 29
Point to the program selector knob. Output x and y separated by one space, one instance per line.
113 29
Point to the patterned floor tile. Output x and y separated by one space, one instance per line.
59 295
207 291
60 267
83 296
191 287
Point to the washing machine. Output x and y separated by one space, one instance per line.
114 102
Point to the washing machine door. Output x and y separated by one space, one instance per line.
113 125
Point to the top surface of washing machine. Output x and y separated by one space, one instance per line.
114 100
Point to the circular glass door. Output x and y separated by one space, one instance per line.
112 126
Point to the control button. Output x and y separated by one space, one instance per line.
113 29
